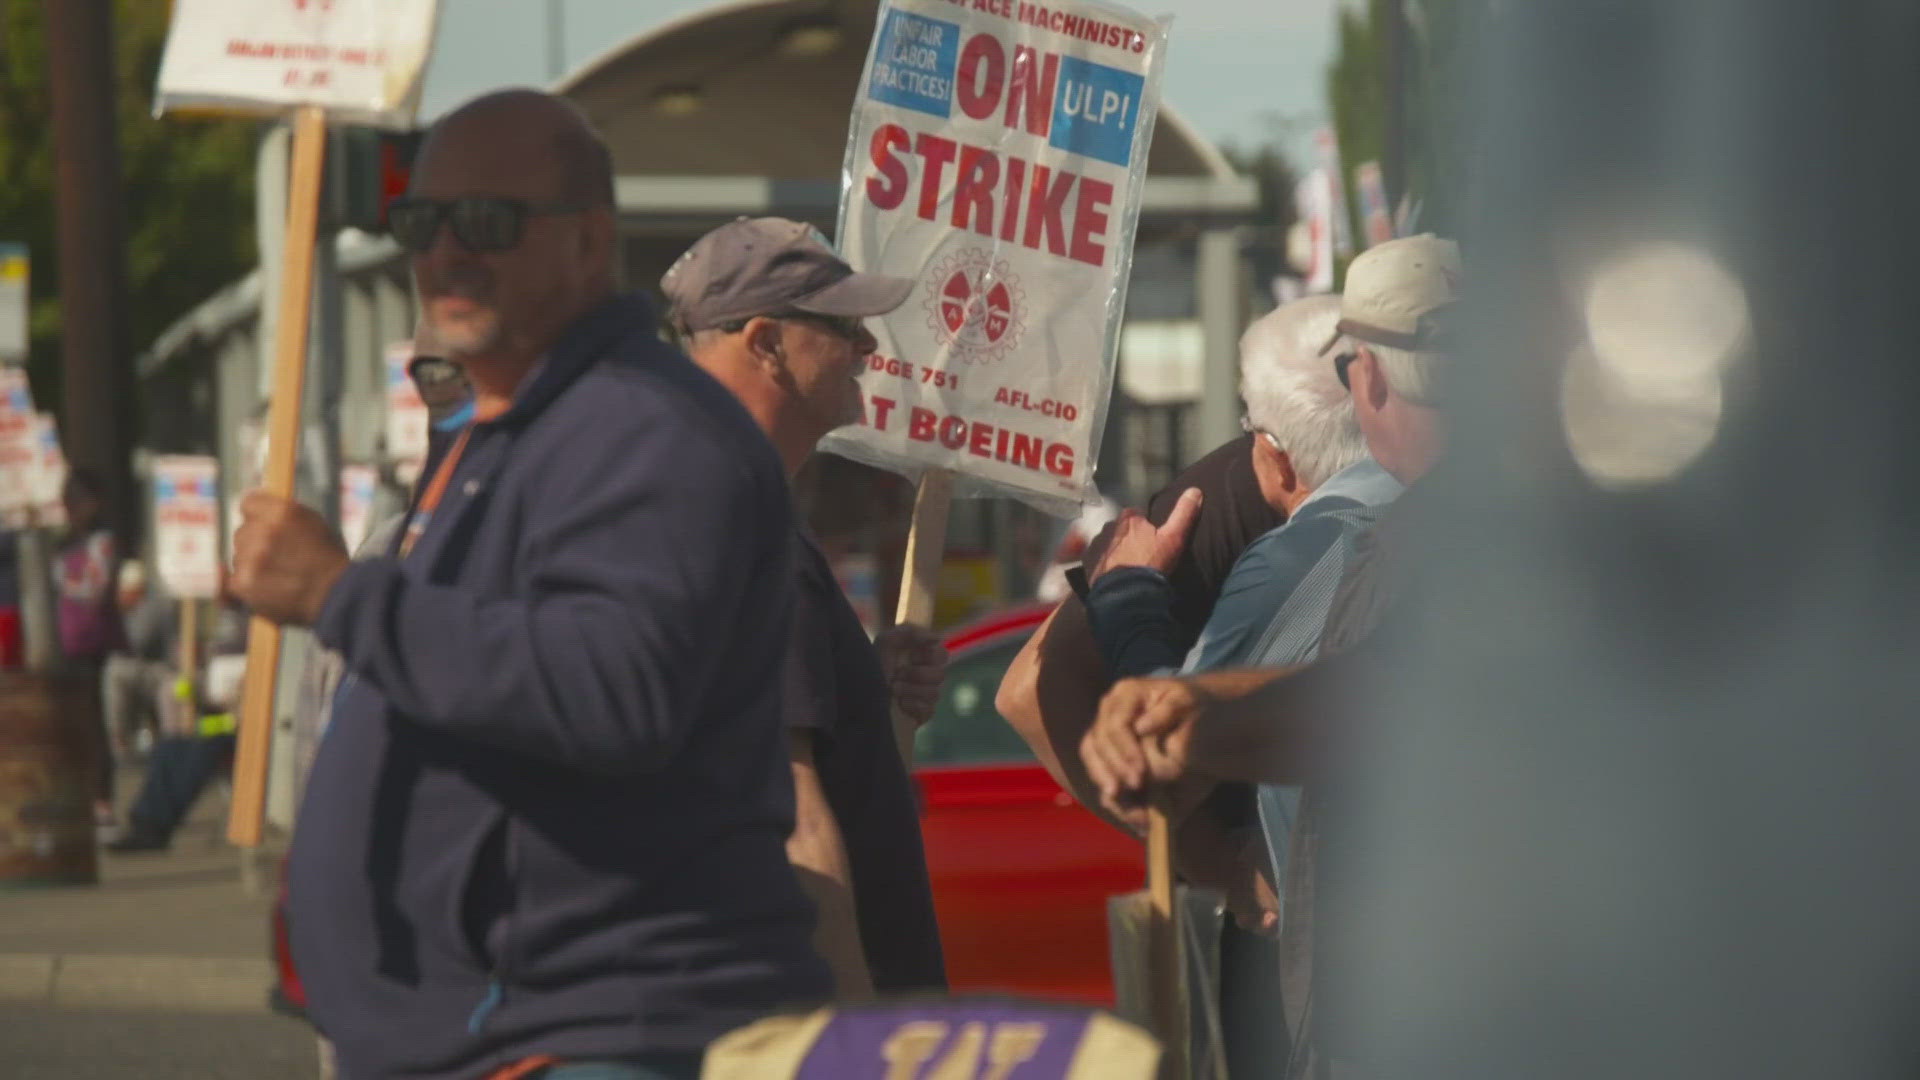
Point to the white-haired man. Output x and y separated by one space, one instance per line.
1269 724
1311 460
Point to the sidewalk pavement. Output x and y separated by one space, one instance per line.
178 930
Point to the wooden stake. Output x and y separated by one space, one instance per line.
1164 1005
190 653
920 579
250 759
926 548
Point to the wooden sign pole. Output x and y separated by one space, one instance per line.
1164 1005
920 580
245 821
190 658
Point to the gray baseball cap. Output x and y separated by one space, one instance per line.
770 266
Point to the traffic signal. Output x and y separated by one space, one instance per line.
367 169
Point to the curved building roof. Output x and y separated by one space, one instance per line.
779 77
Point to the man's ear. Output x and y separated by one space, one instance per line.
762 336
1373 379
1275 462
1283 467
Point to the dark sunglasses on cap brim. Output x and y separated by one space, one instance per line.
483 223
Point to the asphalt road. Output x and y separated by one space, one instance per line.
44 1044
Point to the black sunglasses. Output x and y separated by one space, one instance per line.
484 223
1340 365
845 327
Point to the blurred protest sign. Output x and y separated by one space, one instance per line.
407 418
20 456
15 325
1326 146
1313 205
1376 216
51 484
996 157
186 525
353 60
362 61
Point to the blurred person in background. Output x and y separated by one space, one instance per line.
196 743
1270 725
85 569
768 309
136 687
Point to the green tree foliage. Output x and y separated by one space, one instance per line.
188 183
1359 85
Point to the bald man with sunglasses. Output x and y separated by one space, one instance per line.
545 833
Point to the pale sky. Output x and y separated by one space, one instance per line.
1234 67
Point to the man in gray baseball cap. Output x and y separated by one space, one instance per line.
768 309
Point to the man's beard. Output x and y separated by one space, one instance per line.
854 408
473 334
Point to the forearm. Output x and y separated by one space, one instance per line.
819 856
1052 690
1051 694
1265 725
1130 618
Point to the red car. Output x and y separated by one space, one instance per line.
1021 873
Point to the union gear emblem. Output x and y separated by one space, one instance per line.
975 305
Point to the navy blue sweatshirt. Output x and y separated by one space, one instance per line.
550 811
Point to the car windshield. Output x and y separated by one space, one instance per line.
966 729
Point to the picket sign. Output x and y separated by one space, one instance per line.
356 60
996 157
1165 1007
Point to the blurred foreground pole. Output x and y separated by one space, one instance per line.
1636 795
97 412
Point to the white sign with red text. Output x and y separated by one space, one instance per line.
186 524
1313 207
51 483
361 60
20 453
996 157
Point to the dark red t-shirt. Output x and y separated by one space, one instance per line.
1233 515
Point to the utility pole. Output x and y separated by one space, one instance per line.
97 412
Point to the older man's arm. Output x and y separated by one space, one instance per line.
1253 725
818 852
